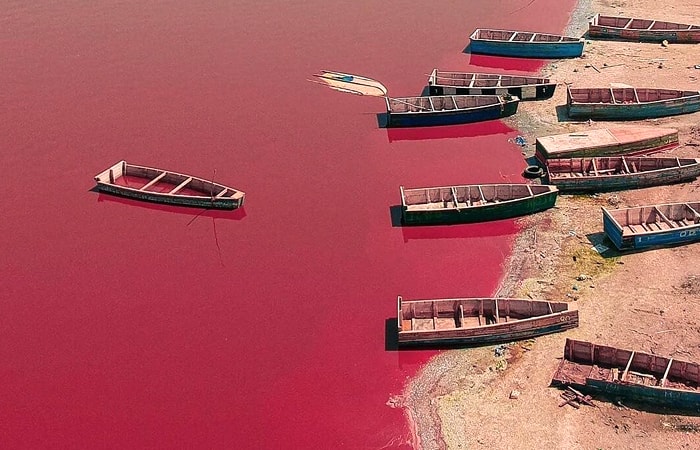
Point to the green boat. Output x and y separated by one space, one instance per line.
474 203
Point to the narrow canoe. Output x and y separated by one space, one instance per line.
642 30
641 377
652 225
479 321
474 203
448 109
629 103
587 175
468 83
524 44
606 142
163 186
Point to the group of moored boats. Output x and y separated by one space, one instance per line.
581 162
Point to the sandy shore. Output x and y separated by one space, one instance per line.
646 301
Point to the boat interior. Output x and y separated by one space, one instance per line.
440 103
656 218
481 80
444 314
640 24
148 179
560 168
468 196
615 96
519 36
584 360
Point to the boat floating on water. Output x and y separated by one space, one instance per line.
628 140
652 225
479 321
474 203
421 111
615 173
642 30
637 376
525 44
166 187
629 103
469 83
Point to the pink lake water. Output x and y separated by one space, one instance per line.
131 325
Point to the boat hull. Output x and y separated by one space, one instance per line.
194 202
451 117
635 376
632 111
622 181
547 50
641 30
654 236
538 92
480 213
468 322
606 142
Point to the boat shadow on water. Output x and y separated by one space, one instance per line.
237 214
470 130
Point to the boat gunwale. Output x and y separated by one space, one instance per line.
570 100
434 76
551 190
562 38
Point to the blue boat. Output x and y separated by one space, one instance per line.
448 109
525 44
629 103
653 225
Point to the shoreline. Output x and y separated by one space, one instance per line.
447 402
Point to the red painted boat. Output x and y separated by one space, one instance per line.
645 30
479 321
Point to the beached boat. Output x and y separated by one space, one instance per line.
586 175
426 110
474 203
468 83
479 321
163 186
643 30
652 225
524 44
628 103
641 377
629 140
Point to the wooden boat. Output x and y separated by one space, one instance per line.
628 140
525 44
585 175
479 321
634 375
643 30
448 109
163 186
467 83
474 203
426 110
628 103
652 225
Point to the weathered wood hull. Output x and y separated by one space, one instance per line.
653 225
436 117
623 104
474 321
642 30
473 203
636 376
588 175
467 83
629 140
558 47
166 187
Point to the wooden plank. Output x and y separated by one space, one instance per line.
153 181
629 363
664 218
663 379
180 186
